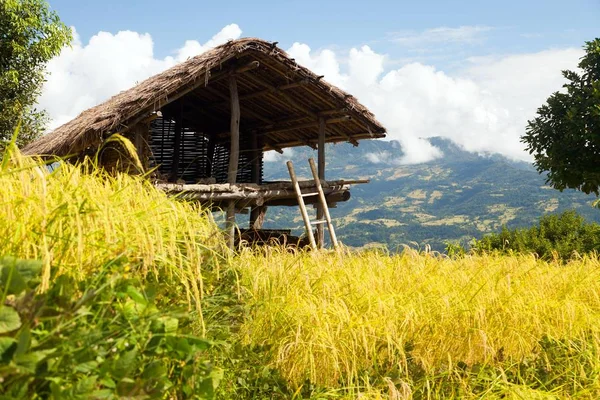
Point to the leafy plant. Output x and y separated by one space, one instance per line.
105 337
557 236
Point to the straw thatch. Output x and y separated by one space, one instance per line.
279 99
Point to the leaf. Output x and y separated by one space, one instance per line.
171 324
5 344
87 367
86 385
30 361
9 319
18 275
109 383
125 364
136 295
154 370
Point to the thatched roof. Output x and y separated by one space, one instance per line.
279 99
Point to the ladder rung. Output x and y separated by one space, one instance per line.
309 194
321 221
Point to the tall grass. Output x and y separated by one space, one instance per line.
78 218
433 326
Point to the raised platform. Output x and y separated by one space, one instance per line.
268 194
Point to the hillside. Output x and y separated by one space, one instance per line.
457 197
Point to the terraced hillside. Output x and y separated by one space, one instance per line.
454 198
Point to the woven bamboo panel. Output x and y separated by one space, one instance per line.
196 164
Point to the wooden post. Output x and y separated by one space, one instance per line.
305 218
323 201
177 144
256 155
321 165
233 156
141 134
210 154
257 215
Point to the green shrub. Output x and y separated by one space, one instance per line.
106 337
557 236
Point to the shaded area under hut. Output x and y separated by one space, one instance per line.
204 125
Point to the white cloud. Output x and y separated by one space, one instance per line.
273 156
85 75
440 35
192 48
483 108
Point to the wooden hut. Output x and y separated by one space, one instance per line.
205 123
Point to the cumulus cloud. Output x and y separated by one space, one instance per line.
482 107
273 156
87 74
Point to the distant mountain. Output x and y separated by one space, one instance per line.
457 197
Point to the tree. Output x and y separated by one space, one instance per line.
564 138
30 35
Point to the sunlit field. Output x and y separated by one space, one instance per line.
281 324
77 219
426 325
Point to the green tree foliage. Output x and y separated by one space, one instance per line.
30 35
564 138
557 235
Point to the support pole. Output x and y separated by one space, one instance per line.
210 154
321 168
302 206
177 145
257 214
233 156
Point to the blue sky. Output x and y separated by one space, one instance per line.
518 25
473 72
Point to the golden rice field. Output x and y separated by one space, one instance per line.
427 326
353 324
78 219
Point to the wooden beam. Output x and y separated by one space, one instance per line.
171 97
273 146
253 95
330 139
284 96
233 156
246 110
336 131
281 122
251 190
306 125
321 175
236 71
326 113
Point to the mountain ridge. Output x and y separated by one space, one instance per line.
454 198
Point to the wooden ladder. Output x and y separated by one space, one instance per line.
308 224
